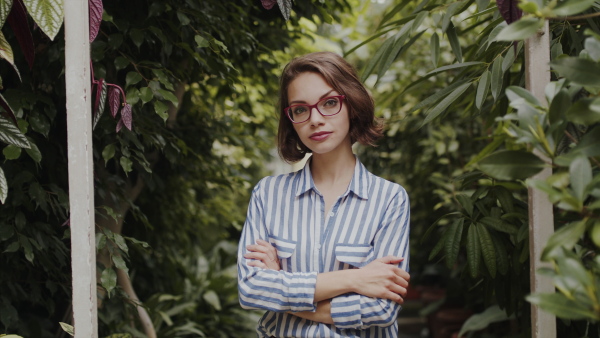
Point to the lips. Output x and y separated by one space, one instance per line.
320 136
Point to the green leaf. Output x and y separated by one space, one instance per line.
592 47
34 153
497 77
480 321
167 95
501 255
444 103
132 78
67 328
511 165
108 279
137 36
14 246
559 105
487 249
434 43
5 7
108 153
520 30
585 111
508 60
473 251
571 7
125 164
465 202
453 240
11 152
580 172
446 20
6 50
514 93
3 187
492 146
212 298
161 110
120 241
146 94
454 43
482 89
120 263
454 66
499 225
47 14
10 134
565 237
589 144
505 198
201 42
562 307
578 70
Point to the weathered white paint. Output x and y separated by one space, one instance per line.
81 189
541 218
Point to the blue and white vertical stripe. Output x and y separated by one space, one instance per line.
369 221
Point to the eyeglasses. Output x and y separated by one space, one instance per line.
328 106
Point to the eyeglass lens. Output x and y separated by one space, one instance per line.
327 106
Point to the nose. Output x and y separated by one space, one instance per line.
315 116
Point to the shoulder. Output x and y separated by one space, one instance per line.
268 183
381 183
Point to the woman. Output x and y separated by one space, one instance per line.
324 250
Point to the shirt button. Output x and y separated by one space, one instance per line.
331 214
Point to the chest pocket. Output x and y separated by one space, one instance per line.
285 249
356 255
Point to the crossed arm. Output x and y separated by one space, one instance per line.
379 279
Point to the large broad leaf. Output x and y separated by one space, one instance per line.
6 52
95 9
585 111
499 225
580 71
473 251
5 6
108 279
453 240
580 172
286 8
48 14
3 187
573 7
482 320
10 134
17 20
487 249
509 10
520 30
562 307
8 111
511 165
565 237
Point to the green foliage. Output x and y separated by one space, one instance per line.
465 137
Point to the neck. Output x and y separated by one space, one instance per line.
334 167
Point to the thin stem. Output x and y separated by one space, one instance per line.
576 17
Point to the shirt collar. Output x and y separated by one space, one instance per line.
359 185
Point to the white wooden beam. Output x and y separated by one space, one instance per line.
81 188
541 218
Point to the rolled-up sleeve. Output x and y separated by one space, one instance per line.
265 289
355 311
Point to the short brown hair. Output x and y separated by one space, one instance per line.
340 75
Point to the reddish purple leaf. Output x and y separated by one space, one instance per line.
17 19
127 116
98 94
96 8
119 125
268 4
509 10
8 112
114 101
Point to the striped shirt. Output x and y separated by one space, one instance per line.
369 221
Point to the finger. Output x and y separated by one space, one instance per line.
400 281
394 297
398 290
264 243
257 255
256 247
402 274
258 264
390 259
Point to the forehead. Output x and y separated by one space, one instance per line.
308 87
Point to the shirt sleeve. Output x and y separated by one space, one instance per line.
355 311
266 289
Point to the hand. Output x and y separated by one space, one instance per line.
264 255
383 279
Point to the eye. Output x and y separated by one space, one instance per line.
297 110
331 102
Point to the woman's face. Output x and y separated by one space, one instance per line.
321 134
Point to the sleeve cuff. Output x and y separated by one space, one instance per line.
345 311
304 291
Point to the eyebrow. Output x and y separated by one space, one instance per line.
320 98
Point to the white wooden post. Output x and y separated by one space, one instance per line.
541 218
81 188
